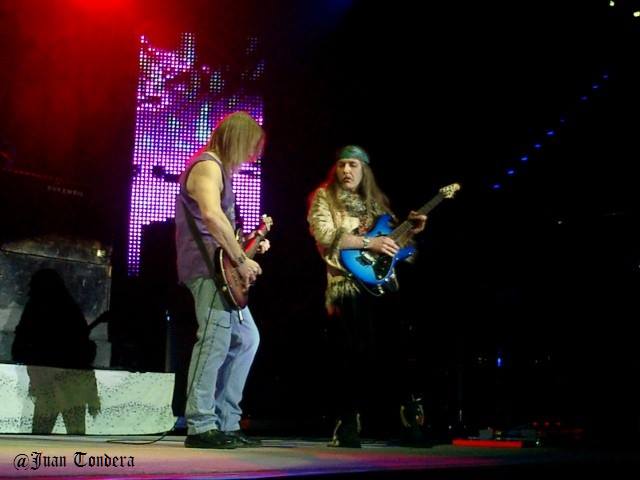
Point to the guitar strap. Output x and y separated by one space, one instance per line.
198 239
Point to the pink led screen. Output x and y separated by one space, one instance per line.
178 103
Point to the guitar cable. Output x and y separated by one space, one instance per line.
195 370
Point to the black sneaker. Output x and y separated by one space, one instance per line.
210 439
242 441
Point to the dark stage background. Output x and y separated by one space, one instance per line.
538 267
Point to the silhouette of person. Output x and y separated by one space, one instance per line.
52 329
53 332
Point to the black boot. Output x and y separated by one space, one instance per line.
347 432
242 441
210 439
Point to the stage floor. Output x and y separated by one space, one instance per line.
33 456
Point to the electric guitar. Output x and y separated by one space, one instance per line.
228 281
376 272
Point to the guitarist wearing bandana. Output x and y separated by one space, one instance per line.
349 218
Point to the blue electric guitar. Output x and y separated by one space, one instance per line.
375 272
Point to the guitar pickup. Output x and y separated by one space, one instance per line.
366 259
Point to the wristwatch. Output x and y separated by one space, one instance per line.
365 242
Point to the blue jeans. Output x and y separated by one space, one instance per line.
225 347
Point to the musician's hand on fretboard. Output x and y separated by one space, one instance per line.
263 246
418 222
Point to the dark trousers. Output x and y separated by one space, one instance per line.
352 343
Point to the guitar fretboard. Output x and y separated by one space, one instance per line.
403 229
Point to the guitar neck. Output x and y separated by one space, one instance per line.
403 229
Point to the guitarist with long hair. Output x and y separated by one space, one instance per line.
227 337
341 211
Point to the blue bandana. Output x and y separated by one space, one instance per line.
353 151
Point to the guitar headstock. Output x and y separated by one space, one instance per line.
266 222
450 190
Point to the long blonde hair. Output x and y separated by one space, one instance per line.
234 139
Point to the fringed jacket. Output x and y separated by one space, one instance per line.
328 225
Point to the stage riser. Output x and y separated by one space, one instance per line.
43 400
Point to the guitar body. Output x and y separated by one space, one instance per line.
229 282
373 271
227 278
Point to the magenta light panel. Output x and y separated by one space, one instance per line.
178 104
